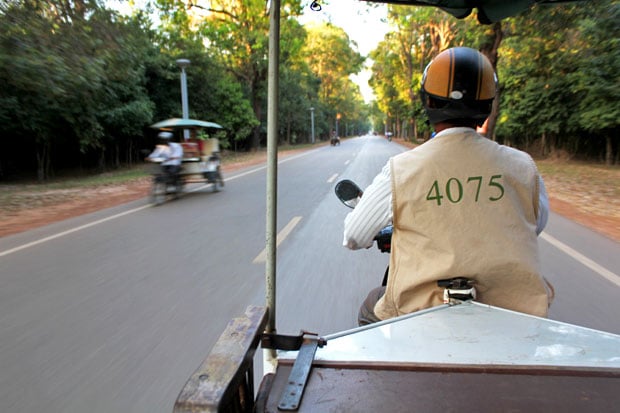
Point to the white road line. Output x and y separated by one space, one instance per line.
602 271
70 231
332 178
262 257
131 211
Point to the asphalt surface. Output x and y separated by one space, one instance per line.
113 311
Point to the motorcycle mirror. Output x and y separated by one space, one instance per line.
348 192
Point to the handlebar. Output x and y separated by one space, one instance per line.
349 194
384 239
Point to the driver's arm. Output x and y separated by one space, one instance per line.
160 151
371 214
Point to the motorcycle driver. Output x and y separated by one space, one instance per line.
461 205
172 152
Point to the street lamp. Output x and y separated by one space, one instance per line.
337 122
312 123
183 63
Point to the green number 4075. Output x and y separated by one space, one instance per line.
454 192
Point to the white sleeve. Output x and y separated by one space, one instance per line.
160 151
177 151
371 214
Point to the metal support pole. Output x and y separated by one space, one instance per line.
269 358
183 63
312 123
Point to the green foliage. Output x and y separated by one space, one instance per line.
399 61
562 84
557 65
73 79
596 80
81 84
331 56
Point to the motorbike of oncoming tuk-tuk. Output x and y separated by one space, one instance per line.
201 162
459 356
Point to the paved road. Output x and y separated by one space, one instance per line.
112 311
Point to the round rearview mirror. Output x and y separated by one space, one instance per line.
348 193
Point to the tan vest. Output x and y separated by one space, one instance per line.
464 206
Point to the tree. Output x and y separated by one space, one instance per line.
421 33
330 55
48 78
299 86
537 102
124 105
239 29
596 82
73 77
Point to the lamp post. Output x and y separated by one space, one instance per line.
312 123
183 63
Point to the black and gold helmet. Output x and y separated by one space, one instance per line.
459 84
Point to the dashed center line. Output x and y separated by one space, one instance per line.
262 257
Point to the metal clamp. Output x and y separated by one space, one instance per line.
457 290
289 343
291 396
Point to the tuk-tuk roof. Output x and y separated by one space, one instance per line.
489 11
178 123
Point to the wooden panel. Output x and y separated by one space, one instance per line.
225 375
358 390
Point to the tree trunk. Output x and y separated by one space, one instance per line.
117 156
43 160
40 167
490 50
552 144
101 165
130 152
609 151
492 119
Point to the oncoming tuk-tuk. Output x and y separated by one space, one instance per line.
200 161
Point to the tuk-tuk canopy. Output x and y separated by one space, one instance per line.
489 11
178 123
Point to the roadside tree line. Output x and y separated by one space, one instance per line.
558 69
81 83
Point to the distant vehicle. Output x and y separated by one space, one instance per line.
335 139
